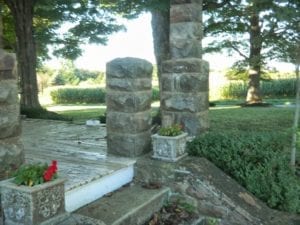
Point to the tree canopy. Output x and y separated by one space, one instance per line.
65 25
30 26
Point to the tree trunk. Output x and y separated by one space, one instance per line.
22 11
160 31
253 94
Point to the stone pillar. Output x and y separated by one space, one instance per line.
11 149
128 100
185 76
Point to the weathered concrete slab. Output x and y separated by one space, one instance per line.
132 205
76 219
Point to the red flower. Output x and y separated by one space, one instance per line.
51 171
54 165
47 175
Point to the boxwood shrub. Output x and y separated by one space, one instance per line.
257 160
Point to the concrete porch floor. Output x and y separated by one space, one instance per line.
81 154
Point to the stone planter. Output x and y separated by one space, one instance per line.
23 205
169 148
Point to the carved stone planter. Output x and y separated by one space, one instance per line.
169 148
37 205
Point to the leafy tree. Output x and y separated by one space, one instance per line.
44 76
58 79
1 28
84 74
251 28
8 34
239 72
36 25
67 73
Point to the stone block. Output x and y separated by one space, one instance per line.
129 85
1 211
129 102
191 83
212 210
9 121
167 82
186 31
11 156
9 92
132 123
180 48
128 68
186 13
7 66
187 65
169 148
194 123
174 2
184 82
179 102
128 145
23 205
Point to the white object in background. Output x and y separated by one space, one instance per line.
92 123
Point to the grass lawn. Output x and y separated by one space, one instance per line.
281 101
81 115
251 118
221 118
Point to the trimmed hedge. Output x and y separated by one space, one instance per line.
273 88
78 95
257 160
85 95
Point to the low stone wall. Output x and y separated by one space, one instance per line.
213 193
11 149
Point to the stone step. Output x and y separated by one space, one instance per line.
131 205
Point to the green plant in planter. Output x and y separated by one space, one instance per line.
34 174
171 131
